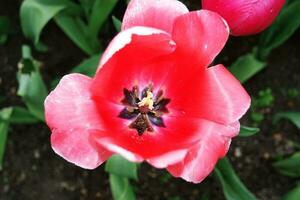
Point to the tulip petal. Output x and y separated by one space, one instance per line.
199 36
167 159
203 156
219 97
154 42
70 105
71 115
109 144
158 14
76 147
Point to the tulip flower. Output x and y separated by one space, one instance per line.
245 17
153 98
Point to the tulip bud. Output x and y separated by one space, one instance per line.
245 17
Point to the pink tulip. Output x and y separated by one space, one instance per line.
245 17
153 98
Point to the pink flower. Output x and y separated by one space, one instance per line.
245 17
153 98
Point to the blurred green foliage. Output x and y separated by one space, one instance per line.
121 188
290 166
287 22
265 98
248 131
262 101
293 194
246 66
19 115
32 88
4 127
81 22
117 23
232 186
121 167
120 172
293 92
294 117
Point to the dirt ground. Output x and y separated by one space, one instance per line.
33 171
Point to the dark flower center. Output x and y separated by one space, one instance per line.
144 109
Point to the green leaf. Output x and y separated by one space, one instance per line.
289 166
246 67
284 26
293 194
20 115
256 116
41 47
117 23
292 116
119 166
248 131
88 67
35 14
4 29
100 12
3 38
121 188
289 2
76 30
32 88
26 52
33 92
87 6
233 188
4 114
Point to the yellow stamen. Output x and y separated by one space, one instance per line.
147 101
